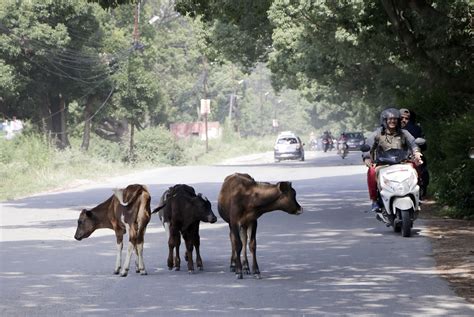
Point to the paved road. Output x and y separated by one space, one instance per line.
333 260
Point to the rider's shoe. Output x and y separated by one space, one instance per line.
375 206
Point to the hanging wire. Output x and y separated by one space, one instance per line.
85 120
70 63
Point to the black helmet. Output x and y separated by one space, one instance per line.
389 113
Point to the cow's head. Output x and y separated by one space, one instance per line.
86 224
204 209
288 199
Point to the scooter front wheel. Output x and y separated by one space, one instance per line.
407 223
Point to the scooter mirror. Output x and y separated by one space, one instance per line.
420 141
365 148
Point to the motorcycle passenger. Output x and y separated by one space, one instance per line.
407 124
416 131
388 136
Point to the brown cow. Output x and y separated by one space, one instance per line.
181 211
241 202
128 207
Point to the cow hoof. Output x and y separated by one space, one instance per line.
176 268
137 271
143 272
257 276
247 271
124 274
170 268
116 272
190 271
239 276
232 268
201 268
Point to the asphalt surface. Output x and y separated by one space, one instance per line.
333 260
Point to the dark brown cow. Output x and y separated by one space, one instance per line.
241 202
181 211
128 207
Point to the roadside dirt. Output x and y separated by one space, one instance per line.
453 249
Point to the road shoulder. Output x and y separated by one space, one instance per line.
452 241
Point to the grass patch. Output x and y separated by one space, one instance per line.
29 165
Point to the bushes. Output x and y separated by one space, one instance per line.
447 122
157 146
452 169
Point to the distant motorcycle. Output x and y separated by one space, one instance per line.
399 193
313 145
327 144
342 148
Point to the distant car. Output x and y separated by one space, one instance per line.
355 140
288 146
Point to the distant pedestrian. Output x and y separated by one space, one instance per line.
7 127
16 125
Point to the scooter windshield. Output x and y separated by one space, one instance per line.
392 156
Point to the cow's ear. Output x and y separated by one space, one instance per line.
284 186
88 213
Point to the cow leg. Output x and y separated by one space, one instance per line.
232 255
128 258
137 265
243 238
238 250
119 231
253 249
118 258
141 262
197 243
189 252
177 259
171 246
139 249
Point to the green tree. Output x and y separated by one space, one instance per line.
54 48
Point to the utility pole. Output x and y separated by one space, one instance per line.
205 112
232 96
136 36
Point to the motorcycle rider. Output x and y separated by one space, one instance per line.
342 143
388 136
327 140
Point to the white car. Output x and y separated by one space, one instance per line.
288 146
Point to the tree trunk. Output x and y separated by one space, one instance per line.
46 122
87 124
58 121
131 154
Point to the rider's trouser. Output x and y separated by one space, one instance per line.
372 183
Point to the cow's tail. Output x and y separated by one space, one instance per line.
127 196
158 208
118 192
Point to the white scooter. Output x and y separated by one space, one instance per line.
399 193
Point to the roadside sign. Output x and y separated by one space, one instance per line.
205 106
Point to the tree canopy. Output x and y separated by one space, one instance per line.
370 50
